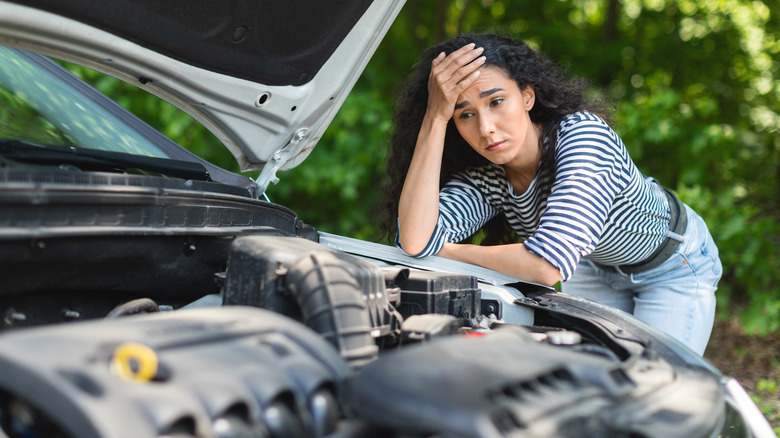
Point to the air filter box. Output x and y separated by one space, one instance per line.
425 292
338 295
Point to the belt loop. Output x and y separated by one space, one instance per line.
672 235
630 276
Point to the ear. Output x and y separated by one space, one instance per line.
529 97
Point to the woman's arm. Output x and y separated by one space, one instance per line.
418 207
510 259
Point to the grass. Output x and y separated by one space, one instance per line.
768 400
754 360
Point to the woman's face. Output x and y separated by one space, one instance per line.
492 116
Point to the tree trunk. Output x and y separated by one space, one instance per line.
441 20
610 27
462 18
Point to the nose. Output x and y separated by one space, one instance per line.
487 126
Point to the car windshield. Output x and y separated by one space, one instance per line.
37 105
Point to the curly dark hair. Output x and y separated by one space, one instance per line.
557 95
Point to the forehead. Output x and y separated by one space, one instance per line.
490 77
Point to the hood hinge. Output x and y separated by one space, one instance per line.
278 159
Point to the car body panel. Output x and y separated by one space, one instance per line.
266 127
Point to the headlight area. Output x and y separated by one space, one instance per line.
744 411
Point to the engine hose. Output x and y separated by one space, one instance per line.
333 304
141 305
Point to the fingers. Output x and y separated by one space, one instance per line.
438 60
471 74
467 74
447 73
458 64
450 76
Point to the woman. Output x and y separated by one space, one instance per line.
491 135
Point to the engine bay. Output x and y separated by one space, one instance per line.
290 338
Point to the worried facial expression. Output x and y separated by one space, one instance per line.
492 116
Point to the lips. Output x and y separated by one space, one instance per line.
495 146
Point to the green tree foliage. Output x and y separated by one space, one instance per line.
696 89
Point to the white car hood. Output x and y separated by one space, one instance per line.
265 77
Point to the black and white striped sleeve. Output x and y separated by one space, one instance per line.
463 210
592 167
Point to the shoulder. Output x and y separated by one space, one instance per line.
583 121
585 131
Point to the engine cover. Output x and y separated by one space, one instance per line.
231 371
504 384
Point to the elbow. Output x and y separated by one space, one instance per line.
550 278
543 271
411 248
413 242
542 277
547 274
415 239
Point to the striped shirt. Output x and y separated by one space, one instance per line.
599 207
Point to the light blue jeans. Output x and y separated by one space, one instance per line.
677 297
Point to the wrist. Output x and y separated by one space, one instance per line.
432 118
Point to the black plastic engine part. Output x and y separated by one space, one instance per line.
622 334
221 372
437 292
339 295
66 231
492 307
39 203
333 304
504 384
424 328
173 266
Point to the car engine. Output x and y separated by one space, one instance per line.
297 339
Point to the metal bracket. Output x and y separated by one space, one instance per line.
279 157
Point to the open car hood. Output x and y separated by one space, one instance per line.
265 76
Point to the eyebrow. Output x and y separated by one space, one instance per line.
482 94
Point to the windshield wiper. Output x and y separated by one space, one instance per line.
95 160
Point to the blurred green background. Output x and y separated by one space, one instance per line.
696 88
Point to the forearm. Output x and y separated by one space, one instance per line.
512 259
418 206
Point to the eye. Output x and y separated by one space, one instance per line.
497 101
465 115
